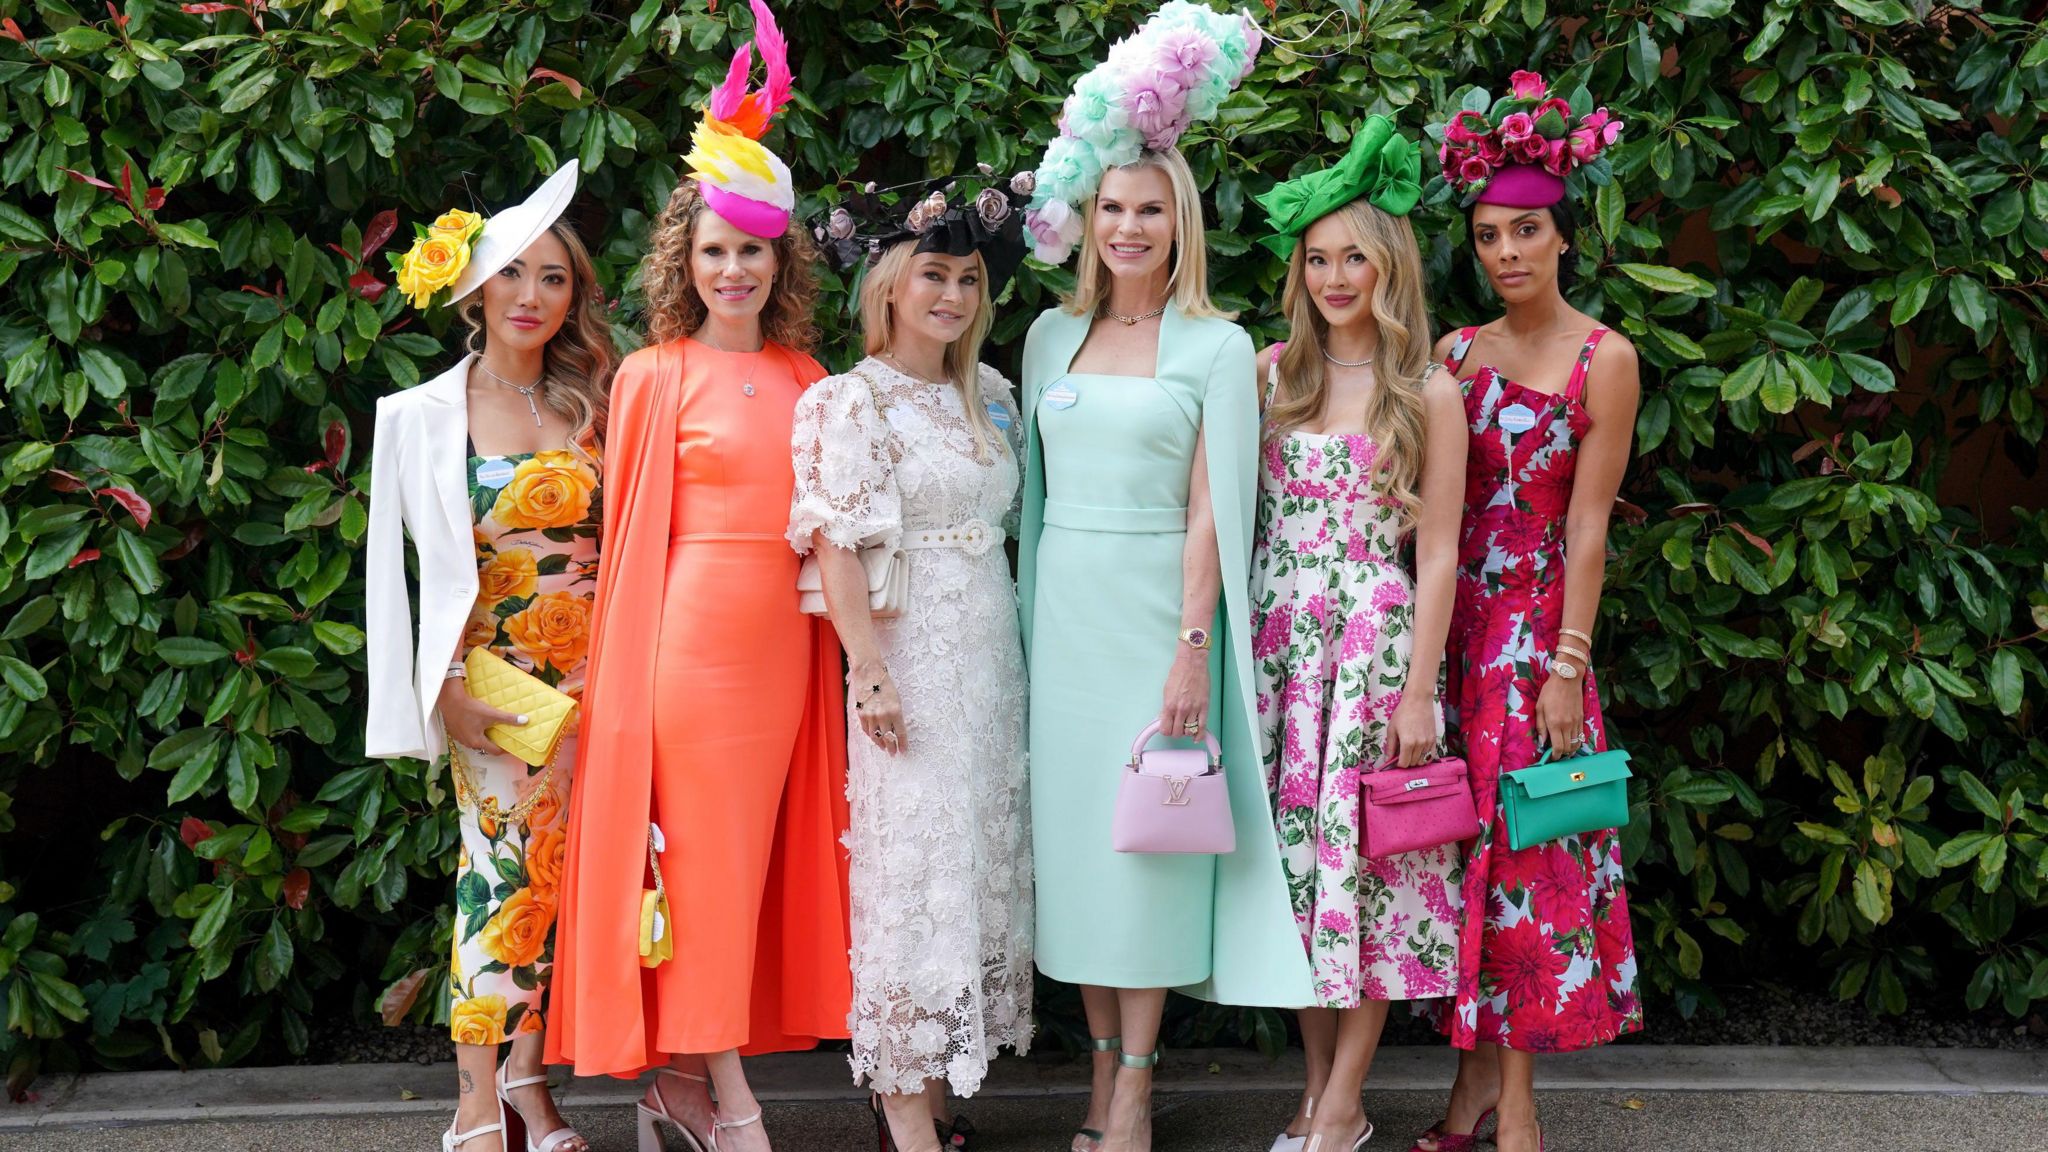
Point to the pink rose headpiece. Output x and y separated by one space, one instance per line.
1174 72
1517 151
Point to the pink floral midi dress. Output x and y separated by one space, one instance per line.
1333 626
1546 957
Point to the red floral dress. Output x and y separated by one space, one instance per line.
1546 958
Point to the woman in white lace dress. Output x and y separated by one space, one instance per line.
914 449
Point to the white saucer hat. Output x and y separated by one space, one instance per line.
453 256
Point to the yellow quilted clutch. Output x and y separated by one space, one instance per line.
548 711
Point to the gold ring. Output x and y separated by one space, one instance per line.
1191 727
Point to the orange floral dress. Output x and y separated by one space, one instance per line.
537 523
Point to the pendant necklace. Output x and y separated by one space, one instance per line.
1127 321
1365 363
527 391
747 385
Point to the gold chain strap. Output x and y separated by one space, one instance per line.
660 889
468 795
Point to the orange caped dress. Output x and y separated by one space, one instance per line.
712 707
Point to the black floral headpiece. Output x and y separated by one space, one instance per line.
944 220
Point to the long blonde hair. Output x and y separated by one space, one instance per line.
1394 414
577 362
673 308
1189 284
963 356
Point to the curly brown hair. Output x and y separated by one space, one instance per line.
674 310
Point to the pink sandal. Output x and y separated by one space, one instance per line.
1453 1141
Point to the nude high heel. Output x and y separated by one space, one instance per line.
452 1141
651 1119
1285 1143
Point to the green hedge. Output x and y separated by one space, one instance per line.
1824 617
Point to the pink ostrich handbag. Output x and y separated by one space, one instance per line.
1409 809
1173 800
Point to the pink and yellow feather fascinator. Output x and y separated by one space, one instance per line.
741 179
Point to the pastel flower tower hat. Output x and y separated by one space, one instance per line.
1175 71
742 181
460 250
1518 151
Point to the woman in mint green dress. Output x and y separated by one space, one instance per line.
1141 422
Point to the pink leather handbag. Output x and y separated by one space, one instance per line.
1173 800
1408 809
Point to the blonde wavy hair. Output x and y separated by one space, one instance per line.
1189 284
963 356
674 310
577 363
1394 416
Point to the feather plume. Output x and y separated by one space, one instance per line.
752 112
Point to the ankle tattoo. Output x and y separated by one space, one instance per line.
468 1084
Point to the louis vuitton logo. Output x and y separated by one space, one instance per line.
1177 791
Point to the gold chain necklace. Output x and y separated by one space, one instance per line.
1127 321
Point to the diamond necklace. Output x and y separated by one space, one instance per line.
527 391
1348 363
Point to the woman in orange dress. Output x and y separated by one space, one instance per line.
713 740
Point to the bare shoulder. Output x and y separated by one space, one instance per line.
1615 363
1440 386
1444 344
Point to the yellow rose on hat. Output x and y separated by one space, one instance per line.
457 223
434 262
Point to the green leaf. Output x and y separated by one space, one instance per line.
22 679
1868 374
2006 682
1972 303
1669 280
1872 894
188 651
1980 797
214 919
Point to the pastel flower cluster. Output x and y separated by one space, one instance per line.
438 255
1527 126
1176 70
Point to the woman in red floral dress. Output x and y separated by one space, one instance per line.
1546 957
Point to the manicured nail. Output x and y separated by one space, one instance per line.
522 719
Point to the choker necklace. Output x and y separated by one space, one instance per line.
897 364
1367 362
1127 321
526 391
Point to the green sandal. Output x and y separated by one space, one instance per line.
1111 1044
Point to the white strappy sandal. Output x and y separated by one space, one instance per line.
452 1141
553 1140
651 1119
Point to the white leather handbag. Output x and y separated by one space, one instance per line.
888 573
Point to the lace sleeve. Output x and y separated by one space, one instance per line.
839 446
1001 403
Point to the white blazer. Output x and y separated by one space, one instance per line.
418 488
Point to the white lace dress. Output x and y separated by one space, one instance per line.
940 836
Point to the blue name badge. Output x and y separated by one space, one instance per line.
999 414
1061 396
1517 418
495 473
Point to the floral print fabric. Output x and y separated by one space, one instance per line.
537 526
1333 619
1547 957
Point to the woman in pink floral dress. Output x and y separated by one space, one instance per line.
1364 451
1546 957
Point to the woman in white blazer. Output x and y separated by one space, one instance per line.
491 468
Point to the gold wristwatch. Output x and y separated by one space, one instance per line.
1196 638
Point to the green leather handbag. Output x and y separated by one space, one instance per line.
1552 799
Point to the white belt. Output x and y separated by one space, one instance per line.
974 537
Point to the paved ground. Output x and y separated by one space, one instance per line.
1620 1099
1223 1122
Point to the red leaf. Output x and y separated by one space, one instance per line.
1762 545
120 21
134 503
316 467
1689 509
64 481
127 184
574 85
192 830
382 225
255 289
208 9
1889 195
344 253
194 533
297 883
400 997
335 440
154 198
95 181
12 31
365 284
85 556
1807 449
1632 513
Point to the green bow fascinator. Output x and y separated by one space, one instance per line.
1381 165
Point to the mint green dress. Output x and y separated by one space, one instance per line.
1107 463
